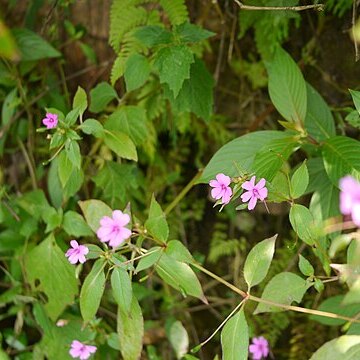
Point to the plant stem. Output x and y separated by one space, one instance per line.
319 7
28 163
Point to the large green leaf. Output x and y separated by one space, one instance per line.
74 224
33 47
302 222
341 157
47 265
93 211
180 276
137 71
283 288
130 328
153 35
346 347
319 121
121 287
173 63
258 261
299 181
287 87
92 290
235 338
120 144
130 120
239 154
100 96
156 223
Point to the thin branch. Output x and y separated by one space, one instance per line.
353 22
319 7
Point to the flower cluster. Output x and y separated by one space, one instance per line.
76 252
81 351
50 120
350 198
259 348
222 190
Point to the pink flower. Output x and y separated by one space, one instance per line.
255 192
350 198
80 350
259 348
50 120
221 189
77 253
113 229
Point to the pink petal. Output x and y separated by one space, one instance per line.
76 344
73 259
85 355
75 352
249 185
246 196
216 193
223 179
263 193
69 252
92 349
104 233
252 203
346 201
355 214
82 258
106 221
260 184
121 218
74 244
214 183
83 250
226 195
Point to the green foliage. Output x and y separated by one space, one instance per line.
93 211
100 97
299 181
156 223
302 222
121 287
305 267
137 71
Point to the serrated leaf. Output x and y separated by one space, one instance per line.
92 290
130 120
299 181
258 261
192 33
93 211
319 121
156 223
302 222
283 288
47 264
180 276
130 328
239 154
305 267
235 338
137 71
346 347
32 47
120 144
173 63
92 127
75 225
153 35
341 158
287 87
122 288
100 96
80 100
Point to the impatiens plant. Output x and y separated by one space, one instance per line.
133 280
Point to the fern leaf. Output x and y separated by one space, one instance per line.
176 11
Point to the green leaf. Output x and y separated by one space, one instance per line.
49 271
179 252
137 71
179 339
122 288
116 180
93 211
302 222
299 181
180 276
130 328
341 157
190 33
100 97
258 261
70 120
11 102
80 100
120 144
287 87
173 63
32 47
335 305
92 290
235 338
305 267
153 35
319 121
152 257
346 347
283 288
239 154
156 223
92 127
72 149
75 225
130 120
196 94
356 99
65 168
8 50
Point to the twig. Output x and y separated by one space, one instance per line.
319 7
353 21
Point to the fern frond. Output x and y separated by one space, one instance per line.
220 248
176 11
